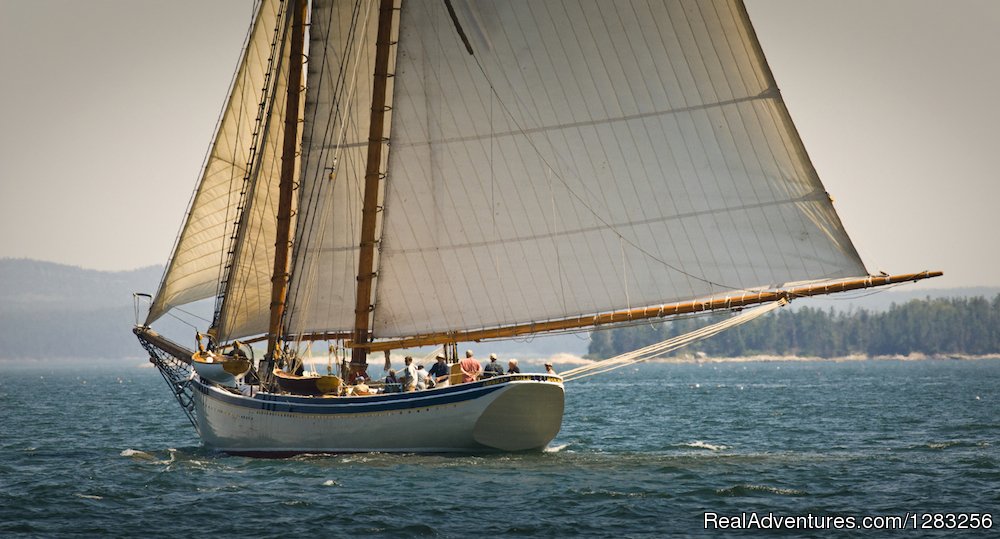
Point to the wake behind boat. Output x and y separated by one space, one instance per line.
392 174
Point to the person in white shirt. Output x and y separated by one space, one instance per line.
421 378
408 375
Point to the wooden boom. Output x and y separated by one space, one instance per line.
656 311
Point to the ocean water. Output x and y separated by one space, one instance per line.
102 450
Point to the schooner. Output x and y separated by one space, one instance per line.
390 174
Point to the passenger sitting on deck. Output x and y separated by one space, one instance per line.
439 371
391 382
549 369
408 376
360 389
470 368
512 367
492 368
357 377
237 350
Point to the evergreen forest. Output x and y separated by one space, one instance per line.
960 326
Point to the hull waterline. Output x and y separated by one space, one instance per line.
510 413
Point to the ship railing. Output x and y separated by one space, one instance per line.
387 387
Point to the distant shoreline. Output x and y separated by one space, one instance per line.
567 359
771 358
564 359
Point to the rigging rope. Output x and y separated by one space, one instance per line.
669 345
316 199
231 254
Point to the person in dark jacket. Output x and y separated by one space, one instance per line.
492 368
439 371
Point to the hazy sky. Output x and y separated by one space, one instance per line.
107 108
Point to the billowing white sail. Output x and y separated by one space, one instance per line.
246 307
334 150
201 252
589 156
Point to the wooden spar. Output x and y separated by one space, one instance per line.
657 311
177 351
289 153
327 336
369 211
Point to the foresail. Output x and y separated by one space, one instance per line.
334 148
200 255
588 157
247 303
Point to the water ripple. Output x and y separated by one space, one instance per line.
663 444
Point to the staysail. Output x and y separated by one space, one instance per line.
246 292
545 160
334 150
201 254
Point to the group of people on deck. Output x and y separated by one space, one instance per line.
414 378
472 371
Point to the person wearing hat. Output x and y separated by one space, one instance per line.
549 369
470 368
439 371
492 368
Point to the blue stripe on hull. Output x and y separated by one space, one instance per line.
375 403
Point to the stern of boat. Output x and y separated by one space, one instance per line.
526 416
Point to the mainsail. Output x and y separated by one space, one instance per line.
544 160
586 157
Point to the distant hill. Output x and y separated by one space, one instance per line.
50 310
938 327
35 286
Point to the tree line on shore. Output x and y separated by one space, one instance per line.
963 326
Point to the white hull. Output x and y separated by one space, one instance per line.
509 413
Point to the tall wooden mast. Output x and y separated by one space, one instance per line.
369 212
289 153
